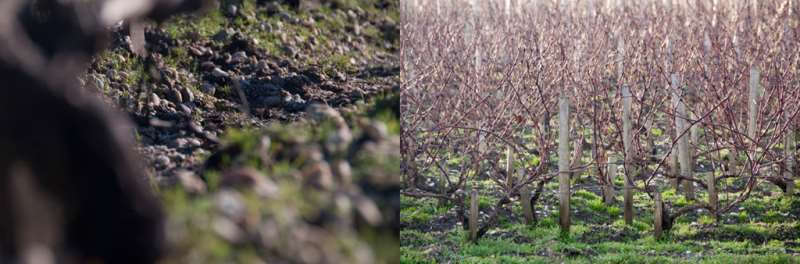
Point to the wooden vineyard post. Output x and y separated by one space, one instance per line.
789 147
674 169
658 214
136 30
473 214
525 200
510 167
442 185
524 191
611 173
711 182
626 141
563 163
471 33
753 104
626 133
675 154
683 139
693 138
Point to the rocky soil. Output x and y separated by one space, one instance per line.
245 64
270 129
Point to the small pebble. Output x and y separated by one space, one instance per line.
190 182
187 94
219 73
208 88
175 96
154 100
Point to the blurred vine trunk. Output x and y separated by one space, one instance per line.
71 189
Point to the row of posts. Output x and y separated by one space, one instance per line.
683 158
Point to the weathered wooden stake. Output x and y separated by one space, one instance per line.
753 103
790 146
563 163
658 216
136 32
525 200
527 209
510 167
611 173
684 157
627 144
712 181
473 214
674 155
693 137
674 168
478 60
712 188
442 184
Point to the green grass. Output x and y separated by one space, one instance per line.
547 245
765 230
421 212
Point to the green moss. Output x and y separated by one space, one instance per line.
754 259
597 206
486 201
337 63
205 25
486 248
419 212
614 211
409 256
587 195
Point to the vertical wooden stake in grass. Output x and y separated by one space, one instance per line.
684 156
563 162
658 214
510 167
712 188
674 168
752 101
693 137
676 102
442 184
789 147
611 173
525 200
473 214
627 144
